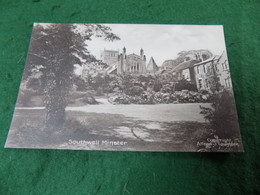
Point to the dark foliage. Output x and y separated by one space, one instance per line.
34 84
183 84
222 116
135 91
54 49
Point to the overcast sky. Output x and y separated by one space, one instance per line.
162 42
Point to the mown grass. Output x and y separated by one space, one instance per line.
28 131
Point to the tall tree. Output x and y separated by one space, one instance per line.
54 50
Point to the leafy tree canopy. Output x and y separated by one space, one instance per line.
54 50
54 44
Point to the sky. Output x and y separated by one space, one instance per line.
162 42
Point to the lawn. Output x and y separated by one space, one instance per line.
104 131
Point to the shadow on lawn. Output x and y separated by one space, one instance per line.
28 131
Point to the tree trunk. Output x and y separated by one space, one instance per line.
55 102
55 118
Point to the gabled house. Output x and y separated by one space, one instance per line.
213 70
203 71
224 72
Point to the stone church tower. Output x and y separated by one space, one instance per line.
109 56
131 63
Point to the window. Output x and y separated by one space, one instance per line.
187 77
204 68
208 69
228 82
198 69
225 65
216 67
200 83
206 83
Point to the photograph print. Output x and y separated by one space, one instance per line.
126 87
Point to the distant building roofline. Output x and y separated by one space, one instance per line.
133 54
116 51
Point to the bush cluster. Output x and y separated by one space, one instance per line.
132 84
151 97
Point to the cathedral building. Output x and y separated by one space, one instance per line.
131 63
127 63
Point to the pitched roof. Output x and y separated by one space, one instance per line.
152 66
223 55
135 55
107 50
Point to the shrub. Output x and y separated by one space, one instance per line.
80 83
157 85
222 116
89 100
167 88
135 91
34 84
185 85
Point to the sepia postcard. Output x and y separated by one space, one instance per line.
126 87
